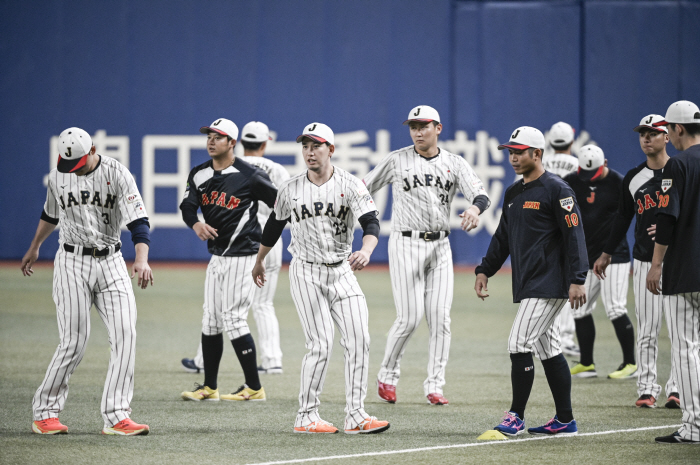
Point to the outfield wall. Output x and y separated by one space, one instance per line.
143 76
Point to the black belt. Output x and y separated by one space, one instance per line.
327 264
426 236
95 252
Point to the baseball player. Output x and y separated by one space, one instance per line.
91 196
639 199
677 248
540 228
322 204
598 190
227 190
424 181
254 137
562 162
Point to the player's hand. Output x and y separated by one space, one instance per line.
204 231
601 265
141 269
652 232
470 218
654 279
259 274
480 286
577 295
358 260
28 260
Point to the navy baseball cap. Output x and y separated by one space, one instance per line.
74 146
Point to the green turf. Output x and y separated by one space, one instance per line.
478 387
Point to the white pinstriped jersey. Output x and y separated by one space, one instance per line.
323 217
423 188
92 208
560 164
278 175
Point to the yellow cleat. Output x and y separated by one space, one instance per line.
624 372
246 393
201 393
583 371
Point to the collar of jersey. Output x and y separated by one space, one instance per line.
426 158
319 185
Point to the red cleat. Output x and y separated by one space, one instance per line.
127 427
437 399
386 392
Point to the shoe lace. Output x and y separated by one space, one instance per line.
622 366
198 386
239 390
551 422
509 419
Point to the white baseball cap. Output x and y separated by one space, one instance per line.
74 145
318 132
524 137
255 131
650 122
222 126
591 162
561 134
683 112
424 114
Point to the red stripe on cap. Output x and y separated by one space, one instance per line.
513 146
313 137
598 173
660 123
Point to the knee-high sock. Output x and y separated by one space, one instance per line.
625 334
559 378
522 376
585 331
245 350
212 350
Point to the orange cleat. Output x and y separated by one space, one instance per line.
319 426
127 427
369 426
49 426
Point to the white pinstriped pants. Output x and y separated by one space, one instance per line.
228 291
422 279
684 321
78 283
536 328
650 310
268 341
324 295
613 290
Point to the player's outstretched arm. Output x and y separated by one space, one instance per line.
43 231
577 295
601 265
360 258
481 286
141 268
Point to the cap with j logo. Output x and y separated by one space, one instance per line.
424 114
222 126
74 146
318 132
591 162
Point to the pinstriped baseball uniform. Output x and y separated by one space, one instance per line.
90 210
323 286
613 291
422 275
640 189
677 214
263 307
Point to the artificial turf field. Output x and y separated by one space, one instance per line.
611 429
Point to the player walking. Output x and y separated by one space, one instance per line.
641 187
91 195
425 179
227 190
677 232
322 203
598 189
254 137
540 228
563 163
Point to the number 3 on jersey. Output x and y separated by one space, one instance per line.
571 220
341 228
